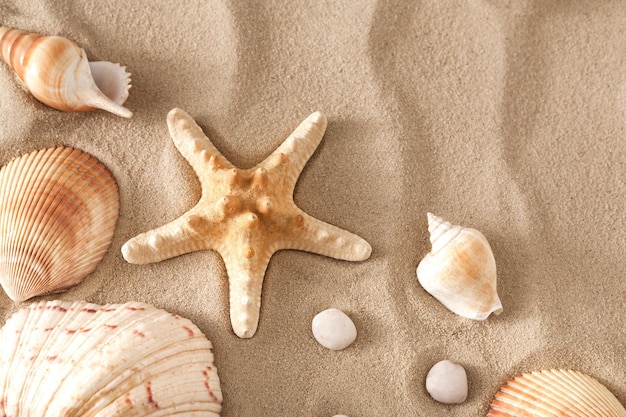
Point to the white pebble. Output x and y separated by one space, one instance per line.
333 329
446 382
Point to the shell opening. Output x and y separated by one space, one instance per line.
112 80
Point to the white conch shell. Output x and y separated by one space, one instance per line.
460 270
56 71
58 212
553 393
64 358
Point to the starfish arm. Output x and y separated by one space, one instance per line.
194 145
246 270
170 240
322 238
297 148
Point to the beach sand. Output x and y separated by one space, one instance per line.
508 117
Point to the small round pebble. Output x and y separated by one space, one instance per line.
446 382
333 329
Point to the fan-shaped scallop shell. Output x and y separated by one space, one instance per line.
58 211
460 270
56 71
63 358
555 393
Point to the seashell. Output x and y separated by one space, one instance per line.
58 211
446 382
460 270
552 393
64 358
56 71
333 329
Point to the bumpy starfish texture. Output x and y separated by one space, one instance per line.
245 215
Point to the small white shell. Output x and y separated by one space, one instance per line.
446 382
460 270
333 329
62 358
56 71
555 393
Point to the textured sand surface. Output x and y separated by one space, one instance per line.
505 116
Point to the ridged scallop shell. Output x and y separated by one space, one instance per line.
554 393
63 358
460 270
58 211
56 71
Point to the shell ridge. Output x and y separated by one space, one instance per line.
11 175
26 177
117 388
163 388
32 207
44 366
104 375
537 403
105 213
65 335
555 392
27 381
61 223
11 336
566 394
58 232
35 229
54 210
72 382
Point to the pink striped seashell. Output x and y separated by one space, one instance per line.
555 393
70 359
58 212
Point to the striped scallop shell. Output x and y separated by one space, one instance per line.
554 393
64 358
58 211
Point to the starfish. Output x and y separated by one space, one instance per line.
245 215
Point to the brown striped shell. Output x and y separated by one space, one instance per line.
555 393
56 71
64 358
58 211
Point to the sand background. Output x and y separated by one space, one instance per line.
505 116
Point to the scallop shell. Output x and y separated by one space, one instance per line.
56 71
553 393
63 358
460 270
58 211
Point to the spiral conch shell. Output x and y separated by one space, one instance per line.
553 393
64 358
56 71
460 270
58 211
